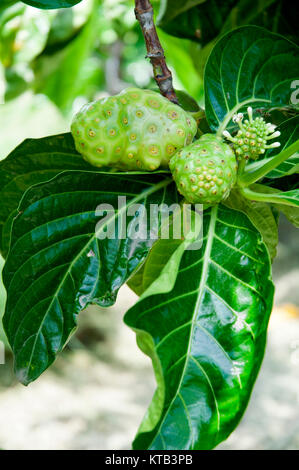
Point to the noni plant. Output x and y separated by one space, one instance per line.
226 170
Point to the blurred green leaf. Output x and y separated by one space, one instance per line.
60 76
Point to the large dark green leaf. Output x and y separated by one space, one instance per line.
32 162
248 67
51 4
206 335
57 264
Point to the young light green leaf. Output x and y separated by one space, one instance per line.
206 336
248 67
63 256
260 215
168 250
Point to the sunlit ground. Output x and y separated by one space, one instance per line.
95 395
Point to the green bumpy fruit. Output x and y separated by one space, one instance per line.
205 171
135 130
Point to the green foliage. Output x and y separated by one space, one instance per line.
208 342
202 316
204 22
34 161
262 217
246 78
71 263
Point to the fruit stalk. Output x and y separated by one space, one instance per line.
163 76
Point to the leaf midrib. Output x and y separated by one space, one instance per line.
201 289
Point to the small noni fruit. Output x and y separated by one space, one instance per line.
205 171
252 137
135 130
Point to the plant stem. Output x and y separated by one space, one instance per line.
241 166
145 15
272 198
250 177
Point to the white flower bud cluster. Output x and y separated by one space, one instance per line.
252 137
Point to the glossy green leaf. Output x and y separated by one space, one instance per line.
51 4
32 162
206 335
61 258
248 67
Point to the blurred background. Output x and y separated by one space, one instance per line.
94 397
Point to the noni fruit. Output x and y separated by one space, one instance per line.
205 171
135 130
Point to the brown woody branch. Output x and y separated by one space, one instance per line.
145 15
